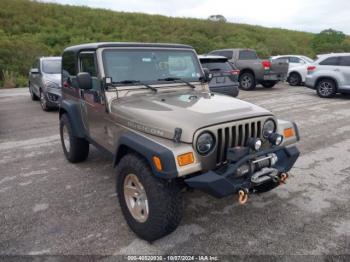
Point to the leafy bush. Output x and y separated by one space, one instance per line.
29 29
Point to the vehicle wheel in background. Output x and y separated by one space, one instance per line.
43 101
294 79
152 206
33 96
235 92
75 149
326 88
268 84
247 81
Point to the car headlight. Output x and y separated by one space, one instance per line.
50 84
205 143
269 127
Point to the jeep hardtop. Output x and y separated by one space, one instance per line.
148 107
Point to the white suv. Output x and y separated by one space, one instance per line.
297 68
330 74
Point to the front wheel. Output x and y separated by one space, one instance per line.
33 96
43 101
268 84
74 148
152 206
326 88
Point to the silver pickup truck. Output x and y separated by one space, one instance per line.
254 70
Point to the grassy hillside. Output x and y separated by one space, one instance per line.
29 29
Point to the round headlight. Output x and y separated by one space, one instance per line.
205 143
255 143
275 139
269 127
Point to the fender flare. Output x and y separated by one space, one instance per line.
72 109
147 148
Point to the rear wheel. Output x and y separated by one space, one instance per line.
152 206
75 149
247 81
294 79
326 88
268 84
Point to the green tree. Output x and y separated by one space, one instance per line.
328 41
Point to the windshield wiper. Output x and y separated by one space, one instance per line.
138 82
176 79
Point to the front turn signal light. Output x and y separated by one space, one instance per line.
157 163
185 159
288 132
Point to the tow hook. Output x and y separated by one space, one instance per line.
284 177
243 196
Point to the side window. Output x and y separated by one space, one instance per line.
88 64
345 61
332 61
227 54
68 69
294 60
247 55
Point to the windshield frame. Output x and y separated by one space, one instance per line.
51 60
101 57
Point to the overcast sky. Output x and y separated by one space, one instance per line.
302 15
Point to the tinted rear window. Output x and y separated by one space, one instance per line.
345 61
247 55
216 65
330 61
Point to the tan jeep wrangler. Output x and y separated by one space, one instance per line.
149 108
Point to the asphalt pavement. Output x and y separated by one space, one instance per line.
51 207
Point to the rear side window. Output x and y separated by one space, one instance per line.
88 64
228 54
332 61
247 55
345 61
294 60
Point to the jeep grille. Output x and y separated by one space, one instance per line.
236 134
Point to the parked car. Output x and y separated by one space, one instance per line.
297 68
330 74
253 70
149 107
45 82
224 74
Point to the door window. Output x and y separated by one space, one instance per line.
87 64
295 60
332 61
345 61
247 55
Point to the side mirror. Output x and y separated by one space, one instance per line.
84 81
34 71
207 75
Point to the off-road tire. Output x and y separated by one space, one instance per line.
33 96
268 84
235 92
294 79
165 200
247 81
326 88
78 150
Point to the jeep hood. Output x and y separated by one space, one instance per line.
159 114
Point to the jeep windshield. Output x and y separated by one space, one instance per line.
152 66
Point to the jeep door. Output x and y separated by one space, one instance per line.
92 101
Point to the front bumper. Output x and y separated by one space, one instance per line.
54 96
221 184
